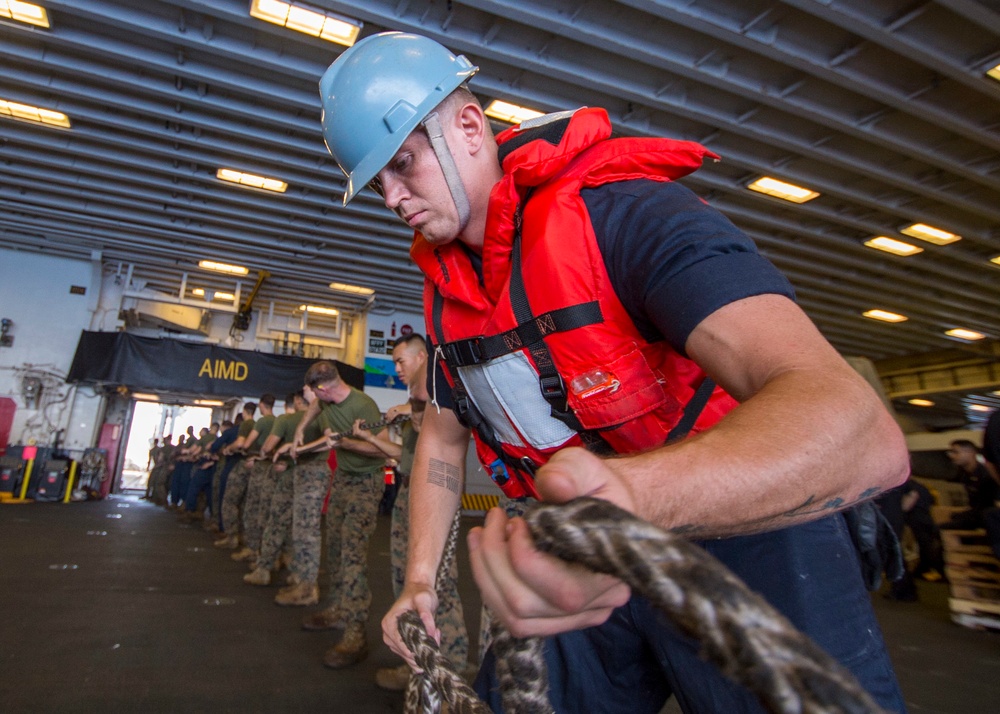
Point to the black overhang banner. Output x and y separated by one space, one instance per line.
155 364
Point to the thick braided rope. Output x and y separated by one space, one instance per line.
739 631
437 680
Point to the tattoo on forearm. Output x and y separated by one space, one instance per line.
810 507
441 473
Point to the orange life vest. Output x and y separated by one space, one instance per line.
541 354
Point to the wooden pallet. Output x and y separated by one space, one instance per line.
974 607
980 592
978 561
965 542
976 622
943 514
971 576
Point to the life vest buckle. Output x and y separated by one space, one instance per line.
553 387
462 353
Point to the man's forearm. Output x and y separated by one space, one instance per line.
435 494
311 412
359 446
384 446
808 444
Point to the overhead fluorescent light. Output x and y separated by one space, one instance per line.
920 402
352 289
978 408
930 234
963 334
310 21
891 245
200 292
223 267
510 113
317 310
994 72
885 316
780 189
26 112
209 403
24 12
145 397
252 180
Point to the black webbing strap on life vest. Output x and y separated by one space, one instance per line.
468 414
692 410
550 381
476 350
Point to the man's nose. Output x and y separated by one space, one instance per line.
393 191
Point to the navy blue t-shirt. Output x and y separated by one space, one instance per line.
673 260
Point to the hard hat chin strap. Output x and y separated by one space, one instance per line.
436 135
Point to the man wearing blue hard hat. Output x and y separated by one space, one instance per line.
583 306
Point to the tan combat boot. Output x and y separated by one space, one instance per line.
393 679
243 554
329 619
227 542
260 576
352 648
298 595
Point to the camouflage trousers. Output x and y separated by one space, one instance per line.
278 528
449 617
216 503
158 483
258 502
350 521
311 480
234 498
513 507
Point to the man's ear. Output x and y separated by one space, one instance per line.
471 123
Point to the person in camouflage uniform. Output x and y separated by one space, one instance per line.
352 512
161 472
310 482
233 461
235 488
154 458
278 522
410 358
259 483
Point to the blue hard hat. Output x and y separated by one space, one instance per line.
377 92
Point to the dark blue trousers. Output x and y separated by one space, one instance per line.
201 482
180 482
636 660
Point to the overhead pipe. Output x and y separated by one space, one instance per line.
657 55
335 218
401 296
127 18
208 239
297 275
717 28
872 169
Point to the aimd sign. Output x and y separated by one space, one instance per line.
147 363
